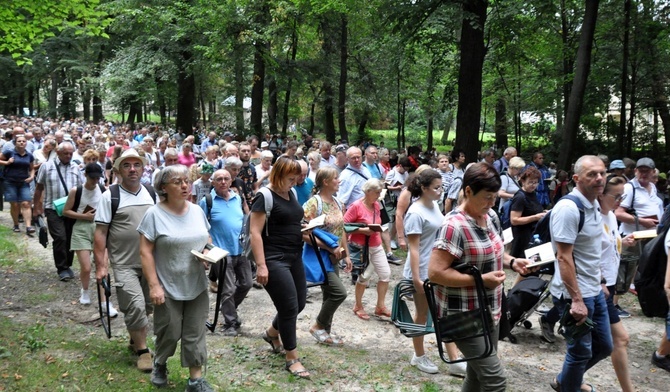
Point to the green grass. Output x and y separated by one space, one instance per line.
116 117
11 255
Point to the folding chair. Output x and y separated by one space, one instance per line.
219 292
462 325
105 292
402 317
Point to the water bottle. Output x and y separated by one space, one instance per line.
536 240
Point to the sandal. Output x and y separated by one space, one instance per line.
323 337
385 312
30 230
360 312
278 349
16 229
301 373
556 386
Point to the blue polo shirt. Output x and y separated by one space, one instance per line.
304 191
226 222
19 170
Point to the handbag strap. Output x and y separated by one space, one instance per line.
61 177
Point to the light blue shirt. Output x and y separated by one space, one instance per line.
351 183
226 221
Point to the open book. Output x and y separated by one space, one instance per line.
215 254
376 227
541 254
316 222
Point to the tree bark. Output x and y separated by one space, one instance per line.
621 136
53 95
470 77
289 83
342 98
86 102
582 70
273 105
257 91
501 122
239 85
363 123
185 94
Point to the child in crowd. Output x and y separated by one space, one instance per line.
202 185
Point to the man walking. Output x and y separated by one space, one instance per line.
576 285
54 180
116 232
226 217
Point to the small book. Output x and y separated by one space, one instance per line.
644 234
316 222
541 255
215 254
88 208
376 227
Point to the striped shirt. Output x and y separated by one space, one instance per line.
53 186
469 243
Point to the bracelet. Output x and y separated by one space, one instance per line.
603 281
209 246
511 264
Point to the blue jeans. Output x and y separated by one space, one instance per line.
591 348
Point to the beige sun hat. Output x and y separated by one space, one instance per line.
128 154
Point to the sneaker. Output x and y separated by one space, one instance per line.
231 331
159 374
64 276
85 298
622 312
458 369
662 362
112 311
547 330
424 364
145 362
394 245
199 385
393 259
257 285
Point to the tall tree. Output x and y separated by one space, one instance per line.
583 67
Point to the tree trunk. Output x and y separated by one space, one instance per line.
403 113
312 109
53 95
447 127
37 99
86 102
621 136
203 115
273 106
568 63
633 109
363 123
185 94
239 86
470 77
212 110
257 91
289 83
579 84
501 122
31 98
342 98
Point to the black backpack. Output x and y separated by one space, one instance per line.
650 277
543 229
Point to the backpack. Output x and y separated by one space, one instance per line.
245 236
650 278
77 196
319 205
543 229
665 220
115 194
505 211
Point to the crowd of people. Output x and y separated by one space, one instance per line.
121 199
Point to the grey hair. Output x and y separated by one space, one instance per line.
233 162
267 154
166 174
580 162
62 146
517 163
171 152
509 150
372 184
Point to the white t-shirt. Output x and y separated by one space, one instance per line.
611 245
645 203
426 222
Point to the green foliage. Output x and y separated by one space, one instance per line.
24 24
34 338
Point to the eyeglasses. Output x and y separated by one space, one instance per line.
179 181
532 182
615 197
220 179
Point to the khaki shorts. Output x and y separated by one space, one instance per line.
82 235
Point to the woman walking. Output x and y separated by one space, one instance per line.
19 173
334 293
367 211
177 282
277 248
471 236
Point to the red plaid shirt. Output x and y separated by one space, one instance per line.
469 243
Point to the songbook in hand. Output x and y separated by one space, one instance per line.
215 254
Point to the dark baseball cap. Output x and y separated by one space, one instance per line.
93 170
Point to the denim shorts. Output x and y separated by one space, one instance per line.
17 191
611 310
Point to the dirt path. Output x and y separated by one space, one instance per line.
372 346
